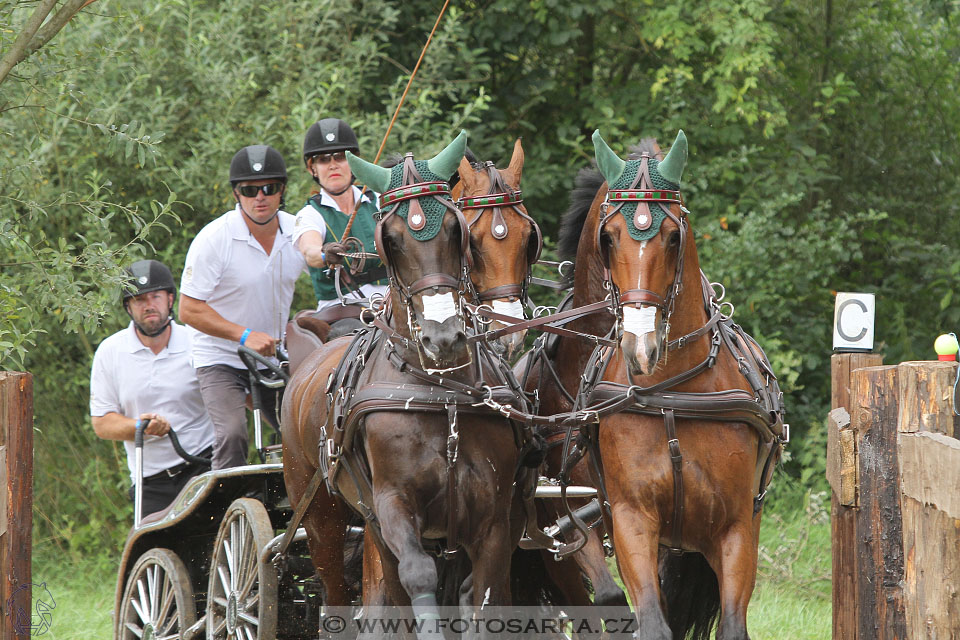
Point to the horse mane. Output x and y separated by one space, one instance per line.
586 185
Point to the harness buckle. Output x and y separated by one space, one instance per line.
333 451
785 438
590 415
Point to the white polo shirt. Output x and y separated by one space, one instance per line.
228 269
309 219
129 379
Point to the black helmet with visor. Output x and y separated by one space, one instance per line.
257 162
329 135
147 276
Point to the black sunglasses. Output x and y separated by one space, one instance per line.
250 191
325 158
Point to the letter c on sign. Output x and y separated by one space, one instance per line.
843 307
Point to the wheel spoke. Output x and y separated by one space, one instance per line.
224 580
247 584
142 603
169 602
246 617
228 556
134 629
153 575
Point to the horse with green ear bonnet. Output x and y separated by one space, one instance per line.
641 189
414 450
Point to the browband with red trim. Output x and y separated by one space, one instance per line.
411 191
644 195
491 200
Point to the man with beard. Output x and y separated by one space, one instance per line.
145 372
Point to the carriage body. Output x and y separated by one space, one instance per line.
173 554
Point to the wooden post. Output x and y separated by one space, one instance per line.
879 529
930 477
843 518
926 397
16 499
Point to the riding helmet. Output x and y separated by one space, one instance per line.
257 162
329 135
147 276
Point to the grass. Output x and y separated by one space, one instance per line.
791 600
83 590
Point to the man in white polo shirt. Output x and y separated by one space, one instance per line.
144 373
237 288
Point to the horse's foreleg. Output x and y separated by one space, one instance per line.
737 564
490 555
374 587
593 562
636 538
326 525
415 569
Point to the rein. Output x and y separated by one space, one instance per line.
396 112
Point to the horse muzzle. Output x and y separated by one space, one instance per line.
445 343
508 345
642 342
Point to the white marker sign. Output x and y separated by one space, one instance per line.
853 319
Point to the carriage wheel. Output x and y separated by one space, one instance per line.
158 599
242 593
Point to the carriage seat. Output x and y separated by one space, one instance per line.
309 330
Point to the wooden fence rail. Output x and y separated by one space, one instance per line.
16 502
893 462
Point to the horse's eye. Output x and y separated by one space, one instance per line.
673 240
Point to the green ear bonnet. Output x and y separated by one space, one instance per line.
630 208
430 191
621 175
432 209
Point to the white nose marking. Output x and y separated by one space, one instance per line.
640 321
513 309
643 245
438 307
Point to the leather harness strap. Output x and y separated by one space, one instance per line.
676 458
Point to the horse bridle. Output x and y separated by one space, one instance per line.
501 195
414 187
642 192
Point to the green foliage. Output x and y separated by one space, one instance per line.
823 158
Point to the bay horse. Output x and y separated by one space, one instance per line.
398 467
505 241
684 444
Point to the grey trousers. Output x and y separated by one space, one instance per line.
224 390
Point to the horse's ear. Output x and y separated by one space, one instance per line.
516 162
672 166
609 163
374 176
467 174
445 163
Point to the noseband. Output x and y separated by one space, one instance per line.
502 195
642 192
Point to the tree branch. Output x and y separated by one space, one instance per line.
18 49
33 36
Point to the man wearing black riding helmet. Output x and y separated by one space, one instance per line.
145 373
237 288
320 225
